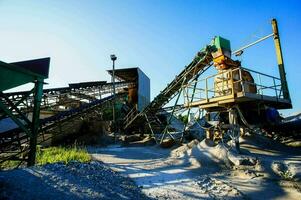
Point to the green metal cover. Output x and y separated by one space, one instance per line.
19 73
222 43
11 77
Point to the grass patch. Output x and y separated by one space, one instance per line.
61 154
286 175
53 155
9 164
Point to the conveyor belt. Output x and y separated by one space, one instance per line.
12 142
64 96
200 64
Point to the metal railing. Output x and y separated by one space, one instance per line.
232 83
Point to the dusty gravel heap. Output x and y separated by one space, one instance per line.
75 180
218 189
206 153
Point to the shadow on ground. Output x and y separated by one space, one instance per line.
158 173
73 181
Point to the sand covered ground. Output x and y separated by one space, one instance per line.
265 169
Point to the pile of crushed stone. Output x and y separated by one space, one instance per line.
75 180
206 153
218 189
226 174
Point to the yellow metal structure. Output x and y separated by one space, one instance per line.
234 86
280 59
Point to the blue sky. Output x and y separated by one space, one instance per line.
159 36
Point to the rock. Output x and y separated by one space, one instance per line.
167 143
287 171
131 138
238 159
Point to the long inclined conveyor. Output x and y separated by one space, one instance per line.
14 142
16 136
199 65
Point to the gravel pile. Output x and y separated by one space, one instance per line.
218 189
75 180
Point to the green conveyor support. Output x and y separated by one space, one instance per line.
20 73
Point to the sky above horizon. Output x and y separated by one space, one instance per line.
158 36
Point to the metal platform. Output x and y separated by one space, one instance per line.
233 90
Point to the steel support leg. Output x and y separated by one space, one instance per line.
173 110
38 92
233 121
192 97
